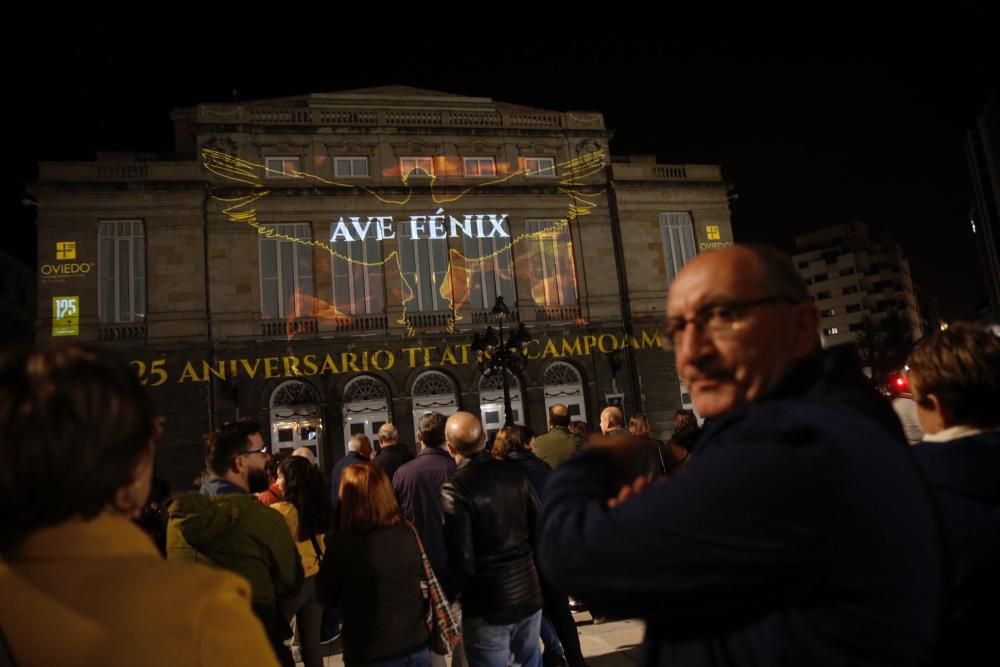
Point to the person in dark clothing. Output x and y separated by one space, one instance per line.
372 573
490 511
558 629
799 532
359 450
955 379
417 486
392 455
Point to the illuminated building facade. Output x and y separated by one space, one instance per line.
320 263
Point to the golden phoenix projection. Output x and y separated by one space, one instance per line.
552 271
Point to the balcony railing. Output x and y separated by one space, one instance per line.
122 333
302 326
557 314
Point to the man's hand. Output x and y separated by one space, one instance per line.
629 490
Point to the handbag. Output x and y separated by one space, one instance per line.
444 629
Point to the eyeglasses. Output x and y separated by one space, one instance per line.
262 450
717 319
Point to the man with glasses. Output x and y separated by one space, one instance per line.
798 533
224 525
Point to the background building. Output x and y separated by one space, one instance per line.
321 263
983 153
863 290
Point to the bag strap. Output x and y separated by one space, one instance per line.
319 553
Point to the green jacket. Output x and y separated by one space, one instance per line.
234 532
557 446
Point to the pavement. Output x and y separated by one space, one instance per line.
608 644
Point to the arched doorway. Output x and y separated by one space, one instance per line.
491 408
433 391
563 384
296 417
366 407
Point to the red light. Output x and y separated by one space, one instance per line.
900 382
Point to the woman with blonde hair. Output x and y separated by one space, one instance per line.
372 572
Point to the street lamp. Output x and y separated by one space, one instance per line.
496 355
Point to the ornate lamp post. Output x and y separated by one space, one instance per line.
496 355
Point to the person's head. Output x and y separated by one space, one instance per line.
366 499
955 378
388 435
236 452
639 425
306 453
360 444
685 423
739 320
580 428
559 416
511 439
464 434
611 419
430 429
271 467
304 487
77 434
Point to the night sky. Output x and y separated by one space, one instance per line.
816 119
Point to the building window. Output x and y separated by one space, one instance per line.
851 289
485 271
848 271
122 271
677 234
424 269
281 167
480 166
857 326
553 271
350 167
286 276
539 167
416 166
829 312
358 276
832 331
803 265
822 295
854 307
820 277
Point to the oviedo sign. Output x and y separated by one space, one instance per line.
156 372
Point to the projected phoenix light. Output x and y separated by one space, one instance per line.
437 225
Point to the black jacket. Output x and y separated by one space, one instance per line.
490 512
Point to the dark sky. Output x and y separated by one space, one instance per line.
816 120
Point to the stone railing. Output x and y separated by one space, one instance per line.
485 316
666 172
122 333
302 326
557 313
360 323
440 320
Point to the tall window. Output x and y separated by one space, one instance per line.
480 166
286 276
416 166
122 270
539 167
425 267
350 167
358 282
679 247
489 270
553 272
281 167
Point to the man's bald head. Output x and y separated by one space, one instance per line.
739 320
388 435
305 453
559 415
611 419
464 433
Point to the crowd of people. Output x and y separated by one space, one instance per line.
796 527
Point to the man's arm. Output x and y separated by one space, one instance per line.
458 536
735 531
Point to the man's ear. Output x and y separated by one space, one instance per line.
806 329
938 412
451 450
237 465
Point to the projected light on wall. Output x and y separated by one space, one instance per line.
432 276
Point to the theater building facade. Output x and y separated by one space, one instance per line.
321 263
